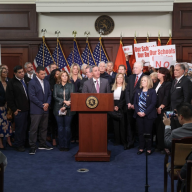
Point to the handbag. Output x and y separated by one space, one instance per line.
65 111
117 115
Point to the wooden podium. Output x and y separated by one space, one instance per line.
92 125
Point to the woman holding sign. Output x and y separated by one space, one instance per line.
145 112
163 104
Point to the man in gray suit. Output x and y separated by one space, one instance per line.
184 114
96 84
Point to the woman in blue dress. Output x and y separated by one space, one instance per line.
5 125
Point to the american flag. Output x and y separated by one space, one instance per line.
87 56
77 57
97 52
38 61
62 61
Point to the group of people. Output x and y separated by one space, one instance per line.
40 104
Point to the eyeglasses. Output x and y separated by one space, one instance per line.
5 72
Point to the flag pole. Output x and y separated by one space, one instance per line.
87 33
43 31
101 32
73 33
57 32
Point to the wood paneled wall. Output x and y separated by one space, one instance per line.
19 41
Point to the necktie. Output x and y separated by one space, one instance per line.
136 81
24 85
97 86
175 82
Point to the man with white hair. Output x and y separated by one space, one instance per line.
30 72
133 84
110 70
83 67
102 68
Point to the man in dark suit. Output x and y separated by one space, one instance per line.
133 84
40 99
96 84
18 101
52 66
110 70
89 75
103 74
184 113
181 91
30 72
122 69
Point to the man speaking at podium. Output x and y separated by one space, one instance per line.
96 84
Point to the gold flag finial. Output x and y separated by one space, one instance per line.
74 33
43 31
57 32
170 33
159 34
87 33
101 32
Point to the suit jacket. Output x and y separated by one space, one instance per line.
184 131
130 89
151 101
126 79
181 92
113 76
15 95
37 97
82 83
121 102
2 95
89 86
107 76
163 95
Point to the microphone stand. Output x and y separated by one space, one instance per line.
147 138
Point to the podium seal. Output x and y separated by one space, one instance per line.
92 102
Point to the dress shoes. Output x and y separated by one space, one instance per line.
140 152
130 146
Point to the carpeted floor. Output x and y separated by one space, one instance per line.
55 171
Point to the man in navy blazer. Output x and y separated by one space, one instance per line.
40 99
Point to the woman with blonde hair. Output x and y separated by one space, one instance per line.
5 125
145 100
62 96
117 115
75 78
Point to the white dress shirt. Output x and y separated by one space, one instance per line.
179 78
117 93
95 82
42 83
30 75
158 86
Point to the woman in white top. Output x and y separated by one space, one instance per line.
118 90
